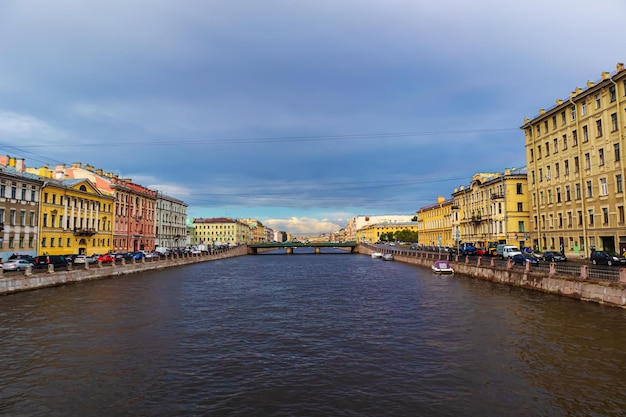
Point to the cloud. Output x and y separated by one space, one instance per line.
303 225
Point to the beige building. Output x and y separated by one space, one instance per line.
434 224
220 231
492 209
171 222
19 209
576 171
373 232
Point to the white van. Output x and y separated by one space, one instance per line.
508 251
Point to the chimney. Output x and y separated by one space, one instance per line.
590 84
20 165
619 67
606 75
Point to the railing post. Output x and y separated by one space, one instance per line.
492 262
479 261
527 269
622 275
552 268
584 272
509 263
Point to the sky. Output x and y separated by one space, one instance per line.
299 113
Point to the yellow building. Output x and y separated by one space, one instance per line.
373 232
220 231
576 173
435 224
493 209
257 230
75 218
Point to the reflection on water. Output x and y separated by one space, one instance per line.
318 335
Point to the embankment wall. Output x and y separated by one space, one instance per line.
581 288
31 281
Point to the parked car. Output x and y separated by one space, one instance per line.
467 248
106 258
84 259
138 255
29 258
481 251
523 258
16 265
551 256
601 257
43 261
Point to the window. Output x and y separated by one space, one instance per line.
583 108
591 217
519 188
578 191
574 138
24 194
539 152
573 112
548 172
612 93
43 242
569 219
568 193
585 134
599 127
605 215
566 162
589 189
13 192
12 217
603 187
45 197
620 214
45 220
614 122
601 156
553 122
549 196
31 218
520 206
32 195
563 118
580 218
558 194
545 125
587 161
564 142
616 152
619 187
532 155
560 220
520 226
556 145
22 218
557 170
538 130
540 174
598 101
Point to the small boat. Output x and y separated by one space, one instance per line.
442 267
388 257
377 255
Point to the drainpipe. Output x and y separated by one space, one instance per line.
580 161
618 104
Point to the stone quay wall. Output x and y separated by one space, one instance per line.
79 273
610 293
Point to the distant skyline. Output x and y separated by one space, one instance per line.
299 114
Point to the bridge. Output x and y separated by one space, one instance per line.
253 248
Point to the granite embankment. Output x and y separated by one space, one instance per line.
581 287
41 279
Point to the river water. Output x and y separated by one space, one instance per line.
307 335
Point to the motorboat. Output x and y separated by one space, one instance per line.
388 257
442 267
377 255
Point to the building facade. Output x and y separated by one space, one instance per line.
435 224
171 222
493 209
76 218
220 231
19 209
372 232
576 171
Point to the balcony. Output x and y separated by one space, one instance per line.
84 232
476 218
497 196
455 207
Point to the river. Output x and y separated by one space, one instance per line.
307 335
